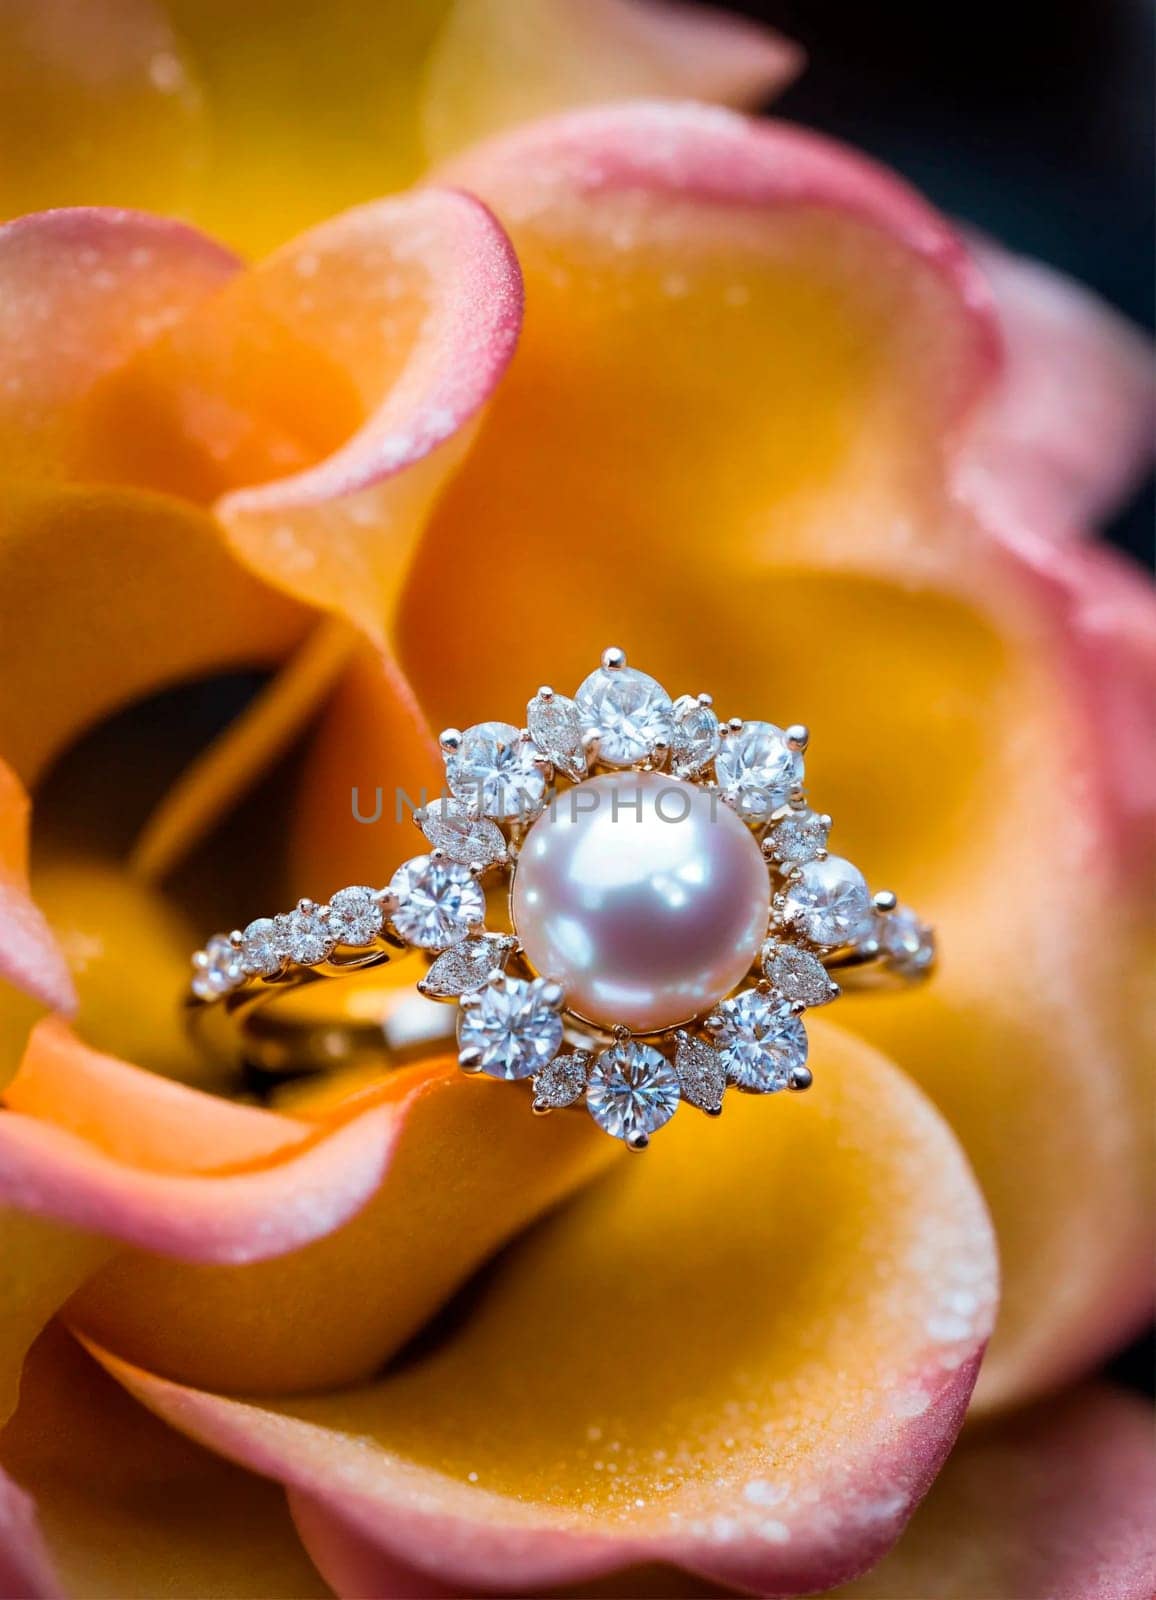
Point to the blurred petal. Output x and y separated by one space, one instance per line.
96 1166
33 974
128 1510
648 1375
97 286
43 1265
97 103
1069 431
25 1566
746 356
328 393
1052 1505
470 1168
98 570
497 63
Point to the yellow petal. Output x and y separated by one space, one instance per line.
44 1263
470 1169
648 1376
128 1510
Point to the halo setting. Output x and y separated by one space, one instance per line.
629 899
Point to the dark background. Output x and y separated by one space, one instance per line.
1034 123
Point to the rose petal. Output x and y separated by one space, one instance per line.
672 1399
97 286
33 973
1068 433
98 570
125 1160
1052 1505
497 63
128 1510
334 1312
44 1264
25 1566
776 463
328 392
97 102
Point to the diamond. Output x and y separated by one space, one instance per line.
262 949
760 1040
496 772
510 1029
696 738
555 725
355 917
466 966
437 902
563 1082
907 943
306 936
756 769
800 836
632 1091
701 1072
828 903
797 974
219 972
629 711
474 841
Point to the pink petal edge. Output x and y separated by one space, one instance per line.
459 356
234 1218
466 1536
721 157
26 1569
1071 429
30 958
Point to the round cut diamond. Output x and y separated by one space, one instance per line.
757 770
800 836
829 903
629 711
632 1090
262 948
437 902
496 772
510 1030
760 1040
306 936
221 971
355 917
908 944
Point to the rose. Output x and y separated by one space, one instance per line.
888 552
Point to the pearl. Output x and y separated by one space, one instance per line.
644 896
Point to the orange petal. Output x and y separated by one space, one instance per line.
113 1150
497 63
1055 1504
96 104
126 1509
649 1375
448 1199
745 358
97 286
99 569
371 342
33 972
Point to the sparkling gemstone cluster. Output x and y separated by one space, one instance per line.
585 998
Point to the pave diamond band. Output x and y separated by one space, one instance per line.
629 901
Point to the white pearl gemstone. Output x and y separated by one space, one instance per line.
829 903
643 896
630 711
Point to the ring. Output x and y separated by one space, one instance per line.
629 901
